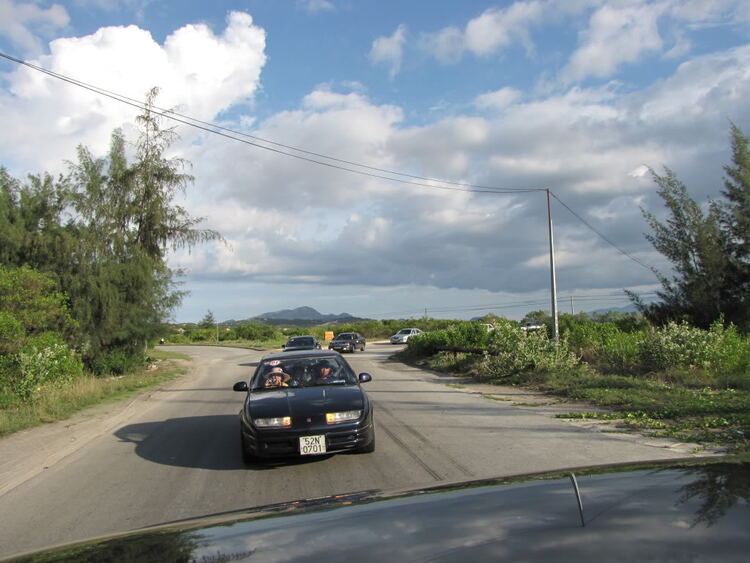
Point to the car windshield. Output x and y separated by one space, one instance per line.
302 372
468 167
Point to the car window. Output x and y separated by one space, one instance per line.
304 372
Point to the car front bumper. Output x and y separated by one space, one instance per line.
341 347
283 442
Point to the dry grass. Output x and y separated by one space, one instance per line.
54 404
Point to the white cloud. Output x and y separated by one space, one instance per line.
24 22
496 29
390 50
316 6
291 223
447 45
198 72
616 35
489 33
498 99
589 145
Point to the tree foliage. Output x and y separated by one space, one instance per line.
35 327
103 233
208 320
708 249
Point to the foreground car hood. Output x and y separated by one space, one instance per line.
300 402
666 513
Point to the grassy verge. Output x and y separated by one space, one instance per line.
60 403
254 344
661 405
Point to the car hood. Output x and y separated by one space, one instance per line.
675 513
295 348
343 341
299 402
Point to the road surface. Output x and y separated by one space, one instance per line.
173 453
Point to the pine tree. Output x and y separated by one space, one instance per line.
709 250
736 221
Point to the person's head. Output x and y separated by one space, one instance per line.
325 369
276 377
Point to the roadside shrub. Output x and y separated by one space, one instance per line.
44 360
257 332
683 346
589 336
620 353
203 334
116 362
178 338
426 344
470 335
519 352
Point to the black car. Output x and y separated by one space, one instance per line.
301 343
665 512
348 342
305 403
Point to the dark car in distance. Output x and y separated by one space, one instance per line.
301 343
305 403
348 342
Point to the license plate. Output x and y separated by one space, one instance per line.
310 445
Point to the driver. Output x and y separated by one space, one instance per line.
324 372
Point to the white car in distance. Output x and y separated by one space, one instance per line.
403 335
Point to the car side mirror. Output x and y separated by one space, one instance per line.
364 377
283 345
240 386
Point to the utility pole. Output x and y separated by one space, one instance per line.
553 279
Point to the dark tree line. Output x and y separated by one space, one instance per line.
102 232
709 249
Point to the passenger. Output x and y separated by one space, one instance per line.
276 378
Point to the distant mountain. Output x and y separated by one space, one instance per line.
303 314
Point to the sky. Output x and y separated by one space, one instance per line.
400 150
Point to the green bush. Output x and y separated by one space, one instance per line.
116 362
519 351
257 332
44 360
716 350
620 353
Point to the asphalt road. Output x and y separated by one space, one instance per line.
174 453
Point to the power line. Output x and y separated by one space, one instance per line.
518 304
236 136
604 238
244 138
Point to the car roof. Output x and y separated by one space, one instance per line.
300 354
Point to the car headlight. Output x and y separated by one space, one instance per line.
277 422
335 417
